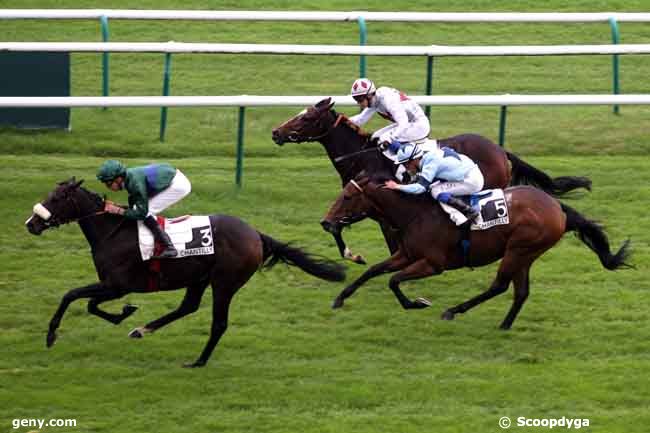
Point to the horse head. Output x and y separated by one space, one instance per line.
67 202
310 124
366 197
361 198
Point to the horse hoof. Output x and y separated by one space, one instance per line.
447 315
51 338
359 260
423 302
195 364
129 309
136 333
338 303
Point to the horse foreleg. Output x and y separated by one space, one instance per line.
394 263
414 271
116 319
391 236
345 251
189 305
89 291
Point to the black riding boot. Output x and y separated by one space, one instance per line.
466 209
162 237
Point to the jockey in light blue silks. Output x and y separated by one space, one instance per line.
456 173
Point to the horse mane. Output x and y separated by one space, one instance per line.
73 185
345 120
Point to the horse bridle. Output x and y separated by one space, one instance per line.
52 221
362 191
294 137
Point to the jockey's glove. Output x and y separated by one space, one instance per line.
392 147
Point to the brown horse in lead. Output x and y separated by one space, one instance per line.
239 251
342 139
429 241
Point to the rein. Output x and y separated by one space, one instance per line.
380 212
94 214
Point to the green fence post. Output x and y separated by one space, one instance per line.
502 125
427 109
163 110
240 147
615 39
363 37
104 21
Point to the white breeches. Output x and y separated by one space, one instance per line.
416 131
179 188
472 183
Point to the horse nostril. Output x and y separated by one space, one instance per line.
326 225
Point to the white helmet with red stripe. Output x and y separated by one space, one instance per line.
362 87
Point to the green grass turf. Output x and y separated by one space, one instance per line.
288 363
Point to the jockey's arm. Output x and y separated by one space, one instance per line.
398 113
138 199
425 177
363 117
413 188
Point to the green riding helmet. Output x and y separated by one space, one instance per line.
110 170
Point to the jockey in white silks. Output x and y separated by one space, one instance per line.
410 124
456 175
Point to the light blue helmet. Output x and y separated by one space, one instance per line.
408 152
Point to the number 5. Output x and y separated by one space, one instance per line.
501 207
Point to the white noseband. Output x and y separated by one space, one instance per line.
42 212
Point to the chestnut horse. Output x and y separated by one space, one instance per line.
350 150
429 241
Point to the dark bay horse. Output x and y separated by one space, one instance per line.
428 240
340 137
239 251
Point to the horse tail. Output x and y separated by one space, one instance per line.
320 267
525 174
592 235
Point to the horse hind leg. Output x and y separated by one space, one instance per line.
499 285
224 288
521 283
189 305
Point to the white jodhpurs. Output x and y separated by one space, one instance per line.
416 131
179 188
472 183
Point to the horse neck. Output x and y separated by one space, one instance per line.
343 140
94 225
99 228
400 211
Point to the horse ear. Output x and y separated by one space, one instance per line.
78 184
324 104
